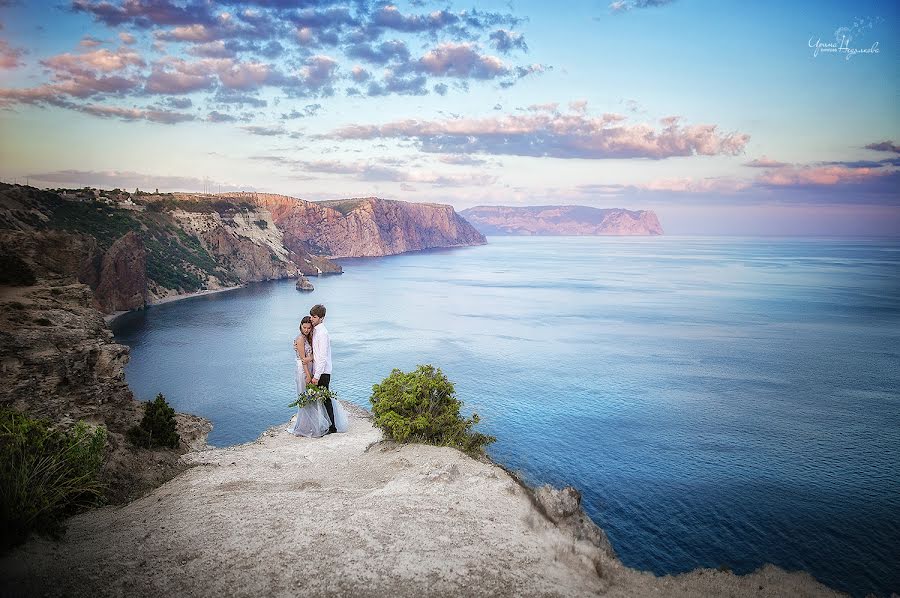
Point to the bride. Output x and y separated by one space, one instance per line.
312 420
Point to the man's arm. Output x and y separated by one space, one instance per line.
320 345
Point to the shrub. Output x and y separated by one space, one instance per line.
45 475
421 406
157 428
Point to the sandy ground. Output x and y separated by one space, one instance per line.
347 515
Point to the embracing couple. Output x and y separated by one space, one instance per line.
313 351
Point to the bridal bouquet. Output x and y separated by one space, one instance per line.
311 395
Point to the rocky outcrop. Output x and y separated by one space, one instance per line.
562 220
397 521
122 277
303 284
50 254
368 227
59 361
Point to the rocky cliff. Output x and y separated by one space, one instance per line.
562 220
368 226
270 208
138 249
59 361
394 521
158 247
118 276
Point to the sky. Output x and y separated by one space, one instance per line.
724 117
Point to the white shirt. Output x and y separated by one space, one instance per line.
321 351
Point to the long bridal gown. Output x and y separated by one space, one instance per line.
312 420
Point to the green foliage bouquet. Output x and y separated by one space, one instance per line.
421 406
311 395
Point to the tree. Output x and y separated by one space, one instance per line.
158 427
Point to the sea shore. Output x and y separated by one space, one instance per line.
109 318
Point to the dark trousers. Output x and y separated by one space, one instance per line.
324 381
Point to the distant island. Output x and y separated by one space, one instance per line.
561 220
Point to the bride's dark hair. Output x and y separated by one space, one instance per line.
308 337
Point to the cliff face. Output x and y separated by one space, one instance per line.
247 243
158 246
59 361
562 220
368 227
119 281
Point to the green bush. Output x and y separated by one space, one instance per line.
421 406
158 427
45 475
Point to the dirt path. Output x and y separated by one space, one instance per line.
347 515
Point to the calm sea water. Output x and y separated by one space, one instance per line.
718 401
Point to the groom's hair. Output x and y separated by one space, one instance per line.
317 310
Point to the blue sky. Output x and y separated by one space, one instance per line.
717 115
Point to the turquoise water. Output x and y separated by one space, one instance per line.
718 401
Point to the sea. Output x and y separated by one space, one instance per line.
718 401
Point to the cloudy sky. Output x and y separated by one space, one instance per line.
726 117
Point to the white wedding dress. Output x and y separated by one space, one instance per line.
312 420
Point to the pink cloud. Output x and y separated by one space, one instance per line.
216 49
821 175
175 75
188 33
461 60
165 82
126 38
90 42
692 185
127 179
359 74
9 56
319 71
392 171
578 106
102 60
572 135
549 107
247 75
159 116
765 162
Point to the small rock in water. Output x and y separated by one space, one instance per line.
303 284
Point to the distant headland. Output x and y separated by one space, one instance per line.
562 220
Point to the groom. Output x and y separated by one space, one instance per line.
321 375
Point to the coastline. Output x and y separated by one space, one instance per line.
109 318
406 520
